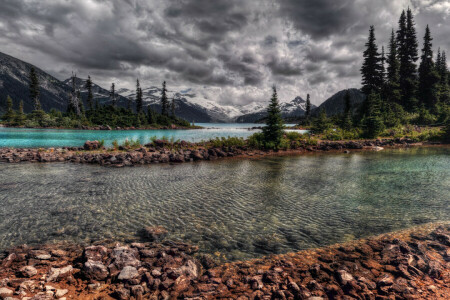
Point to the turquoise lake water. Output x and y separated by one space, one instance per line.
25 137
240 208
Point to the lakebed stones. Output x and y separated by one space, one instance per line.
28 271
380 268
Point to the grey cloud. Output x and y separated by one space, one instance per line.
238 46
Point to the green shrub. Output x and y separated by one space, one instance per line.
227 142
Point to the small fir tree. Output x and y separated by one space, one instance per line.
112 94
90 97
273 131
164 101
308 109
373 122
20 117
10 114
139 100
347 122
321 123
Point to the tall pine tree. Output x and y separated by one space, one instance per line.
441 66
393 93
408 55
372 69
164 101
428 92
308 109
273 131
90 97
138 98
112 94
34 89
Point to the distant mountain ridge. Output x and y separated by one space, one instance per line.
190 104
336 103
14 81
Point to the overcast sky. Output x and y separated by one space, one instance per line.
234 49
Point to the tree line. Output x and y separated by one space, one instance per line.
95 114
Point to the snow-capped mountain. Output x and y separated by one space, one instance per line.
294 108
14 82
190 104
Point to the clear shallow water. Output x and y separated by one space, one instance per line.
26 137
241 208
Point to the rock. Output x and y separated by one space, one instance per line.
95 253
385 280
122 293
95 270
44 256
128 273
344 277
7 262
4 292
94 145
28 271
61 293
57 274
123 256
155 233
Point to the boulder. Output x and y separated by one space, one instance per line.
28 271
5 292
95 270
92 145
57 274
128 273
154 233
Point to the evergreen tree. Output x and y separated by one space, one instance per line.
20 117
10 114
347 122
73 107
441 66
173 107
112 94
393 93
150 115
308 108
273 131
428 92
34 89
164 101
408 55
383 61
371 70
321 123
139 100
90 97
373 122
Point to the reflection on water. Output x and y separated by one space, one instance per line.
242 208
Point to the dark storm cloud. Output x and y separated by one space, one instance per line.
239 47
320 18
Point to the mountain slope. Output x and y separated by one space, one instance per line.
100 94
294 108
336 103
14 82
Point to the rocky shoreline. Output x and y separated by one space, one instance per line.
161 151
411 264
